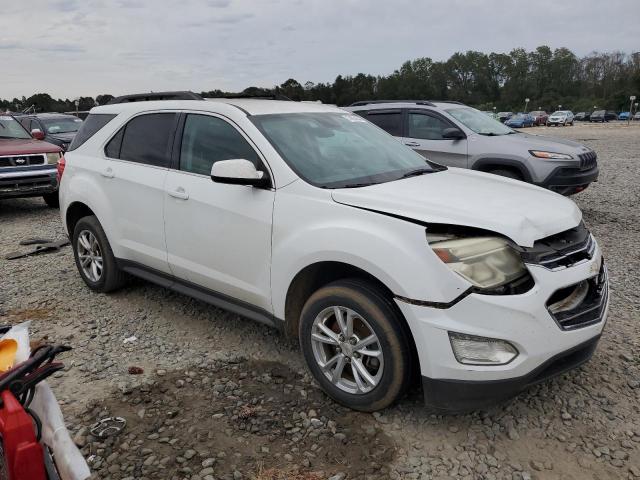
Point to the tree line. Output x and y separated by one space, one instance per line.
549 78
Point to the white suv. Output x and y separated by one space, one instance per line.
313 220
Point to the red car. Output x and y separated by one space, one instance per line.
539 117
28 166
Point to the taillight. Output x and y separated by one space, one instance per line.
60 168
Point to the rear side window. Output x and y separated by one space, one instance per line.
93 123
389 121
207 140
146 139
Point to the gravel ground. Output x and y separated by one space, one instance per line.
216 396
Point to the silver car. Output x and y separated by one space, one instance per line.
456 135
560 117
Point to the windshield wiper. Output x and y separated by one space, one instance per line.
357 185
417 172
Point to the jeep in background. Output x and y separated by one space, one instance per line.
455 135
56 128
28 167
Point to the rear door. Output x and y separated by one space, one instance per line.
424 134
133 177
218 235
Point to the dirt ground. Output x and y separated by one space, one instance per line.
220 397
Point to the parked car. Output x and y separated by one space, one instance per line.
455 135
540 117
504 116
56 128
561 117
582 117
520 120
636 116
27 166
624 115
603 116
309 218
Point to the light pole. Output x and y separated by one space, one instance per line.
494 112
632 98
526 104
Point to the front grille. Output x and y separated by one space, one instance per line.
22 160
562 250
588 160
589 310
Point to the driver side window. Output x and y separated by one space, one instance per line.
426 127
207 139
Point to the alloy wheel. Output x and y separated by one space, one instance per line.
347 350
90 255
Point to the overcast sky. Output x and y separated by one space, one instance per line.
87 47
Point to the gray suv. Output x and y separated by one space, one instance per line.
456 135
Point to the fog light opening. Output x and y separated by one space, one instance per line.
472 350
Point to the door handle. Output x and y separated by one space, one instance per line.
107 172
412 144
179 193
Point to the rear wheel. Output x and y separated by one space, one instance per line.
94 258
52 199
505 172
355 345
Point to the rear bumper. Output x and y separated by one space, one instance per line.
465 395
28 181
568 180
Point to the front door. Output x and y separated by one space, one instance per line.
424 135
218 235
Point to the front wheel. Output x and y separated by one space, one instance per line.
355 345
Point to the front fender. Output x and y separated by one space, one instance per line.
309 230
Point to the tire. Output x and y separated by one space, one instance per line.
504 172
110 276
391 371
52 199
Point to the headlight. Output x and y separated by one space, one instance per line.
486 262
550 155
53 158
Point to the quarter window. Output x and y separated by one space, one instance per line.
93 123
208 139
146 139
426 127
390 122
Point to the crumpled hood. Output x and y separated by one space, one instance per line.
522 212
539 142
16 146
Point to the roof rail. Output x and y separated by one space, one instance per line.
276 96
372 102
151 96
448 101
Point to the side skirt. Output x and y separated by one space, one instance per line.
216 299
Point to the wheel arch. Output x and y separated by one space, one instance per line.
75 211
488 164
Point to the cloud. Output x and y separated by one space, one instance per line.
123 46
219 3
233 18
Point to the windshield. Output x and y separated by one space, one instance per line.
558 113
62 125
598 112
11 128
479 122
338 150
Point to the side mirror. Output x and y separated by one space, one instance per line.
238 172
37 134
453 134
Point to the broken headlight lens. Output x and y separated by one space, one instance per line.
486 262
